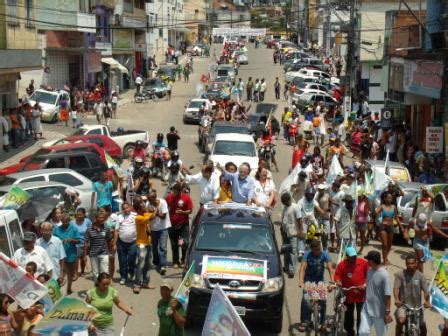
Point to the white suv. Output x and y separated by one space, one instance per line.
234 147
49 101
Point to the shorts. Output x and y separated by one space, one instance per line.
317 131
386 228
327 227
419 244
361 226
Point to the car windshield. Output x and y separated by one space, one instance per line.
399 174
226 147
167 71
44 97
153 82
228 129
407 197
235 237
7 180
196 104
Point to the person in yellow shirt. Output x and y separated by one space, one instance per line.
286 115
225 191
143 241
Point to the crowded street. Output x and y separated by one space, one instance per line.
163 114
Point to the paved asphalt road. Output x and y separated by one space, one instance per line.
158 117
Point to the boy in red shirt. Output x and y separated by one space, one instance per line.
180 206
352 272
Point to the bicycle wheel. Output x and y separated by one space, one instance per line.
340 320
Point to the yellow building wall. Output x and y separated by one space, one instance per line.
20 36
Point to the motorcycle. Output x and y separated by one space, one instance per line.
267 152
145 95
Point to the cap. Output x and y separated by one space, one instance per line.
29 236
322 186
374 256
167 284
422 219
350 251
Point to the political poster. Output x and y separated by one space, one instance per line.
222 317
19 285
334 170
53 295
234 268
434 140
15 198
439 288
67 316
183 291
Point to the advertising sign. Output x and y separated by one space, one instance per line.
230 268
434 140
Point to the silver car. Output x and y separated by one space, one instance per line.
406 203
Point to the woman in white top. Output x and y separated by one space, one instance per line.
264 189
114 102
37 126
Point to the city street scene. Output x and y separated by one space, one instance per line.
223 167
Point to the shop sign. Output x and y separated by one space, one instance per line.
94 62
434 140
104 47
423 78
123 39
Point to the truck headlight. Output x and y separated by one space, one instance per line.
273 284
197 281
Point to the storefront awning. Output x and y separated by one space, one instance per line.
114 64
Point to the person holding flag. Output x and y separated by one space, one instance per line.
172 316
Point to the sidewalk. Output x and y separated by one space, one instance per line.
15 154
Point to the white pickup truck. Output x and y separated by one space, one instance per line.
125 139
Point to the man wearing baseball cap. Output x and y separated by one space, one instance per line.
352 272
31 252
376 309
172 315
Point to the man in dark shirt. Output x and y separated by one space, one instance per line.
393 189
172 137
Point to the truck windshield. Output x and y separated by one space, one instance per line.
224 147
235 237
44 97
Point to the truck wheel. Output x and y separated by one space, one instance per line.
127 151
276 325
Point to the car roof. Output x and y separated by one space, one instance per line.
376 163
53 155
55 92
265 108
43 171
73 146
234 137
198 100
32 185
232 213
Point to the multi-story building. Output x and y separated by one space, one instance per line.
223 13
19 49
195 18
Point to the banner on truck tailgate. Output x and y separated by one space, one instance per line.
231 268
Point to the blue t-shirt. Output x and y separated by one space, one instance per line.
81 229
104 193
70 248
316 266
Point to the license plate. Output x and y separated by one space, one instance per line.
240 310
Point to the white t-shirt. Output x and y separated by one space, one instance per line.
262 193
38 255
98 108
114 99
138 80
158 223
127 231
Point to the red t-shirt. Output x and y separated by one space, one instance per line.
182 202
353 275
296 157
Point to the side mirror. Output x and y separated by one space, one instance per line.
286 248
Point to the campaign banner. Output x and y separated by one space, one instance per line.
439 288
67 316
15 198
231 268
222 318
18 284
183 291
334 170
53 295
111 163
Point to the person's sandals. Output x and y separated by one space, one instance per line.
136 290
148 286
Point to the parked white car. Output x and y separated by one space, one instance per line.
307 73
49 101
234 147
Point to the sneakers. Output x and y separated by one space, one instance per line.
162 270
122 281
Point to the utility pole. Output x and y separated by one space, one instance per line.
351 44
328 34
231 18
306 15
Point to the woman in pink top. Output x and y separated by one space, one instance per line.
362 216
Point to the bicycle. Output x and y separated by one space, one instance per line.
339 310
315 292
413 320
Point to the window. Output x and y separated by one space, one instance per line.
66 179
95 162
46 193
85 6
128 6
78 162
4 246
29 13
56 163
95 131
12 17
329 99
33 179
16 234
160 32
439 203
140 4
